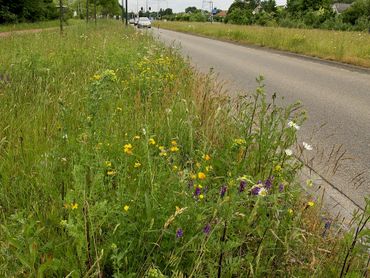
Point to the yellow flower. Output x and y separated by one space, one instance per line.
209 168
173 143
97 77
111 173
163 153
206 157
66 206
161 148
74 206
198 165
309 182
311 204
108 164
239 141
278 168
290 211
137 164
193 177
175 168
174 149
126 207
127 149
151 141
119 109
201 176
137 137
201 196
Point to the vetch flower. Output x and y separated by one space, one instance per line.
197 191
294 125
288 152
268 182
223 190
242 185
307 146
207 229
179 233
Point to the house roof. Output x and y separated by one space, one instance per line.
222 14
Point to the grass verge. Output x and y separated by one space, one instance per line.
347 47
117 160
36 25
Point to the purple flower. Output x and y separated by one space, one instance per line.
197 191
242 185
207 229
179 233
223 191
268 182
281 187
255 190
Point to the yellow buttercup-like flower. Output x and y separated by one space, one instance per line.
311 204
201 176
74 206
127 149
173 143
278 168
174 149
111 173
209 168
126 208
206 157
151 141
137 164
201 196
290 211
137 137
108 164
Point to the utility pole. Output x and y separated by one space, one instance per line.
61 15
126 6
122 15
87 11
95 11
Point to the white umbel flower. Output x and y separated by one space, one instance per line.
293 124
288 152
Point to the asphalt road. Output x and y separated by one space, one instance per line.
334 95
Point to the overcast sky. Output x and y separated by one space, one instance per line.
180 5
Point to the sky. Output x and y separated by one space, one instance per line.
181 5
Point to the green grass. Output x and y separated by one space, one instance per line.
36 25
118 160
348 47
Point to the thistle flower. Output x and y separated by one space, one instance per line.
179 233
223 191
207 229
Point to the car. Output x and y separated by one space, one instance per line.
131 21
144 22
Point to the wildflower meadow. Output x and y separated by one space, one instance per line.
117 159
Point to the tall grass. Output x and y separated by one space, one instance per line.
348 47
36 25
116 159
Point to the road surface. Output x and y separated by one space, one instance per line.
334 95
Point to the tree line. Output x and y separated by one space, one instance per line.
16 11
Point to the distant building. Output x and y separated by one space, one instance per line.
222 14
338 8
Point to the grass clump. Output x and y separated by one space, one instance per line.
348 47
116 159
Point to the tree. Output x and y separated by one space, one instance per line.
269 6
359 9
191 10
298 7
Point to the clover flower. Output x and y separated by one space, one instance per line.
179 233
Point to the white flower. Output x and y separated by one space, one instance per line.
307 146
262 192
293 124
288 152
